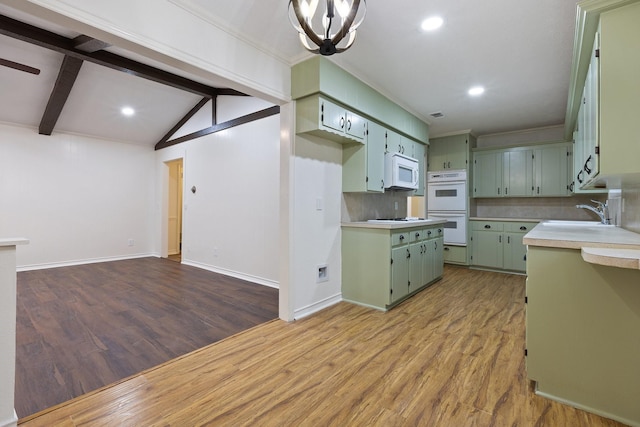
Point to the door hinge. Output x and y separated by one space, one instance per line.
597 149
525 352
526 299
391 260
366 179
597 53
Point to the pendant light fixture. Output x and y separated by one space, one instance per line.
328 32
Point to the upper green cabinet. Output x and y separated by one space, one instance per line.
318 75
363 164
321 117
604 85
450 152
541 170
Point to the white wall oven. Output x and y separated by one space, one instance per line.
455 229
447 200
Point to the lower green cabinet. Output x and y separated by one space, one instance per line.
381 267
498 245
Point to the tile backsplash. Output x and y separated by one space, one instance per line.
364 206
631 214
537 207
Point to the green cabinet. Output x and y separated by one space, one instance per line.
363 164
449 152
551 170
540 171
455 254
487 174
318 75
381 267
583 332
318 116
604 84
498 245
517 173
400 276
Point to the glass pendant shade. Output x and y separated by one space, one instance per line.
329 29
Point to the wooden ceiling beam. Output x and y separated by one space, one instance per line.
89 44
66 78
184 120
267 112
31 34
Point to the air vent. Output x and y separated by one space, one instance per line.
437 115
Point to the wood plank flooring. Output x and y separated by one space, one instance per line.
450 356
83 327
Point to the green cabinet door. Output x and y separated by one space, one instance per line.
399 273
487 249
375 157
416 261
418 154
515 252
438 154
551 164
449 152
487 174
458 152
517 173
438 257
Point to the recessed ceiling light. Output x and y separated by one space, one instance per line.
476 91
127 111
432 23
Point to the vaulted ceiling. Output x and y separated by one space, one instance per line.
519 51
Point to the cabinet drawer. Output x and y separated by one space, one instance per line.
519 227
400 238
487 225
417 235
455 254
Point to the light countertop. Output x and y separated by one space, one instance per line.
477 218
604 245
394 225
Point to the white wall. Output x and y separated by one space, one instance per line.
76 198
231 222
317 198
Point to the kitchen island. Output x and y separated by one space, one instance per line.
583 317
386 262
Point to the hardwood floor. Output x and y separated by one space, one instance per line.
83 327
453 355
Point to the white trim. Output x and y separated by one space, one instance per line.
587 408
11 422
29 267
236 274
361 304
317 306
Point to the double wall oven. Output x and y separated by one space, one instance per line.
447 200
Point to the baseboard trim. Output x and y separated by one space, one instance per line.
44 266
236 274
11 422
587 408
317 306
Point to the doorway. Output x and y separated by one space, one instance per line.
174 212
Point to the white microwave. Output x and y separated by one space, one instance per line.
400 172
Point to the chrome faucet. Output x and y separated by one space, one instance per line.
601 209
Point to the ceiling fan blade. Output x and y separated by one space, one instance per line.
18 66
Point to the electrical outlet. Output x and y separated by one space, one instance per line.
396 205
131 242
215 252
322 273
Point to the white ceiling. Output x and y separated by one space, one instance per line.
519 51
